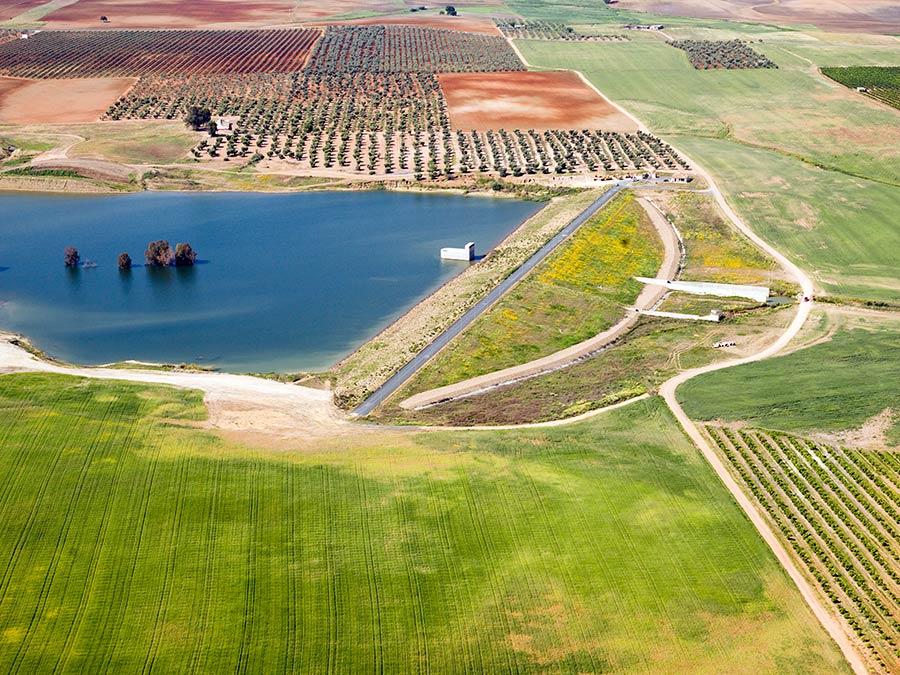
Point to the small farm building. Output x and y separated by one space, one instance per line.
466 253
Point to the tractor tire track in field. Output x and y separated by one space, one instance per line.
208 552
89 585
377 664
250 581
162 604
61 542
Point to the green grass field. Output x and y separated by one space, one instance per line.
831 386
580 290
839 228
134 543
813 167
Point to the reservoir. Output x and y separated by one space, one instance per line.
284 282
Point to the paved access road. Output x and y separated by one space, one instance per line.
463 322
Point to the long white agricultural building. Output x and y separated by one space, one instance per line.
757 293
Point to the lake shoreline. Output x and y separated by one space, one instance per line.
377 256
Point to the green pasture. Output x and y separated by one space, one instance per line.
793 109
831 386
841 229
813 167
133 542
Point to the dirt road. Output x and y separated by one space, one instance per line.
237 403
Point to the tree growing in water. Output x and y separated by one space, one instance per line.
159 253
71 257
124 261
197 117
185 256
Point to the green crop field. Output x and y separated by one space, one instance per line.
813 167
881 83
831 386
133 542
839 228
580 290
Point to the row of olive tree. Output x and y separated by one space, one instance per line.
158 254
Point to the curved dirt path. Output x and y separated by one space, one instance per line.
668 391
236 403
648 297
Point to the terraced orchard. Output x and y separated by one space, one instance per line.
839 510
133 543
880 82
722 54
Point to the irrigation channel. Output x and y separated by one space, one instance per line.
401 376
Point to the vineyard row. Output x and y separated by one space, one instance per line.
71 54
393 49
341 49
547 30
880 82
839 510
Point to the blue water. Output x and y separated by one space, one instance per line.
286 281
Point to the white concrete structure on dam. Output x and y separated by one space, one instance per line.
757 293
713 316
466 253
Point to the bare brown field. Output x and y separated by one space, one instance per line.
388 9
469 24
528 100
58 101
12 8
864 16
170 14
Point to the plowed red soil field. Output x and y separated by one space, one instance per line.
557 100
172 14
58 101
471 24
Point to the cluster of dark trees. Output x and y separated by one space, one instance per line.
158 254
198 117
